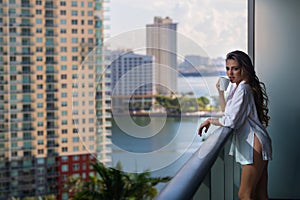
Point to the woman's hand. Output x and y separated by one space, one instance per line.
206 125
218 87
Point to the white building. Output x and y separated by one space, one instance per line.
162 44
132 77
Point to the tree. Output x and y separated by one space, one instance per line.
113 184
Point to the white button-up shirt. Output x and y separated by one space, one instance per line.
241 115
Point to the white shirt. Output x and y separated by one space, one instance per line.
241 115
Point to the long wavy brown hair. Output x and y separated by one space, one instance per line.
258 88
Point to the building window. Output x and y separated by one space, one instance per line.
40 151
63 21
74 31
39 68
74 3
64 76
64 104
64 168
74 49
38 12
63 12
39 21
64 140
75 139
40 133
40 105
39 40
63 3
64 131
64 149
63 58
63 67
75 158
39 30
40 114
63 31
39 49
39 58
63 40
74 22
63 49
74 40
39 124
75 148
74 13
74 58
74 67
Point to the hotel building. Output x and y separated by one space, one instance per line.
161 43
54 106
132 77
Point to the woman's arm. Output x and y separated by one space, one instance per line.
206 124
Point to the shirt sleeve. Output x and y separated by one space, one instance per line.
237 111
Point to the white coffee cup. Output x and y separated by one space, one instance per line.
224 82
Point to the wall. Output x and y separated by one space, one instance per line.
277 31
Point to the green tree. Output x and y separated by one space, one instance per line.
114 184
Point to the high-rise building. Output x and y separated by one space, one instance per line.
162 44
132 80
54 108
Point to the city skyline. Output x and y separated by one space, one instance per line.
217 26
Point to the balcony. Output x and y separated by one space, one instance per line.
52 136
50 6
49 90
50 99
51 118
51 80
52 108
50 16
54 145
27 110
206 175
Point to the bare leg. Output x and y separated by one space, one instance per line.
262 185
252 174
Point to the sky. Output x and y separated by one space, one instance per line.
218 26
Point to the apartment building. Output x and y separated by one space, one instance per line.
161 43
132 80
54 108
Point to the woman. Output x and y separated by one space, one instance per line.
246 112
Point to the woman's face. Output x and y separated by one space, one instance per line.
233 71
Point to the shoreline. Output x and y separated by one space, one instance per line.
162 114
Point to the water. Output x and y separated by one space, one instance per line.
199 86
160 145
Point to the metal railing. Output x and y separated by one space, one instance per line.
186 183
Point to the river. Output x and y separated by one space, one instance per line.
160 144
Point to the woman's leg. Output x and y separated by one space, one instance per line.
262 186
252 174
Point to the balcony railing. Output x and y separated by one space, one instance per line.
198 171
